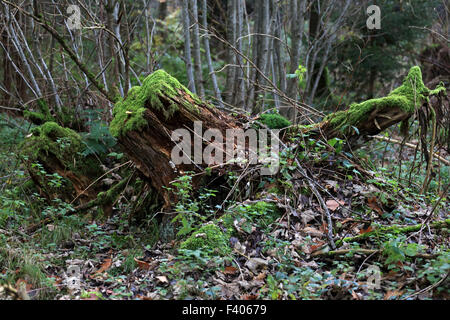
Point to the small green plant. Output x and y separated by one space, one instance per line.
435 269
191 213
99 140
300 75
397 251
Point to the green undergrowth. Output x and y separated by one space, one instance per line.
41 116
158 92
211 236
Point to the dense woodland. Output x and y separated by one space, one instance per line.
94 95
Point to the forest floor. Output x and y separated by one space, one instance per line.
277 250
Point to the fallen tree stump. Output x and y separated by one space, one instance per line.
51 149
146 121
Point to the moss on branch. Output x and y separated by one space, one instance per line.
380 231
407 98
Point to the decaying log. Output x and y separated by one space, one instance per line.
51 149
373 116
145 120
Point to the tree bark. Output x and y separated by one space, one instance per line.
168 106
231 55
197 55
208 55
187 46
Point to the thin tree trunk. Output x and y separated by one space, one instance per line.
231 56
115 83
197 55
187 46
208 54
240 84
297 23
162 10
263 55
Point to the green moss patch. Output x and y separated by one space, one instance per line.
159 91
41 116
50 138
210 237
50 142
274 121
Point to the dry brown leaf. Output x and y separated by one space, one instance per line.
230 270
105 266
142 264
333 204
368 229
392 294
256 263
373 204
313 232
316 246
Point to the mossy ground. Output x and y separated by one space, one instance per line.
128 113
209 236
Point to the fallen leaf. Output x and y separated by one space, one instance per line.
368 229
313 232
142 264
333 204
373 204
163 279
230 270
308 216
248 297
392 294
256 263
355 295
105 266
316 246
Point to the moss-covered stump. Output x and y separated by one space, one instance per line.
375 115
53 156
145 120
